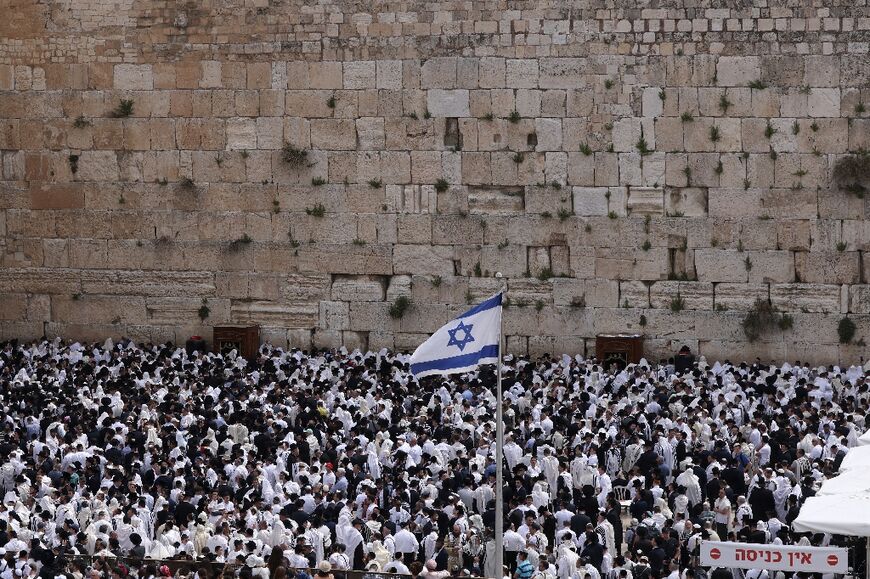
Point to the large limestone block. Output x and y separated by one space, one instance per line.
456 230
175 311
859 299
591 293
721 265
356 260
503 200
771 266
88 309
824 298
633 294
566 73
739 296
148 283
590 200
693 295
686 201
439 289
510 260
448 103
333 134
630 263
371 316
737 70
333 315
300 287
645 201
275 314
828 267
419 259
823 102
133 77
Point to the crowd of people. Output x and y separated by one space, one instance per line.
119 457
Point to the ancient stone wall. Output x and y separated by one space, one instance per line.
645 166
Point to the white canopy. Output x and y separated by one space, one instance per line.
856 458
844 514
851 482
864 439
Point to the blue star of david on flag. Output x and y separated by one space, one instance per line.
437 355
466 333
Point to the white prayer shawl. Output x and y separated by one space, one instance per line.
347 535
550 468
689 480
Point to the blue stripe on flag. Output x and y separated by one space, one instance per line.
493 302
462 361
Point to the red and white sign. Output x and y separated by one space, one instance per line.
775 557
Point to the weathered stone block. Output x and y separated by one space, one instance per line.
719 265
681 295
448 103
827 267
806 297
133 77
418 259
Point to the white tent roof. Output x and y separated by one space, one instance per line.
853 481
845 514
864 439
856 458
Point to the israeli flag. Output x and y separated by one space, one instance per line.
462 344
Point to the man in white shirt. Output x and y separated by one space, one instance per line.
722 508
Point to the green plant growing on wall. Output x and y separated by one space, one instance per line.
204 310
545 274
585 149
399 306
852 173
237 244
187 183
375 183
687 171
763 318
81 122
715 135
294 157
518 158
124 109
608 83
317 211
724 104
564 214
769 131
514 117
643 147
74 164
678 304
687 117
757 85
441 185
846 330
318 181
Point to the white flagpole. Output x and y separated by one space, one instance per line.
499 452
